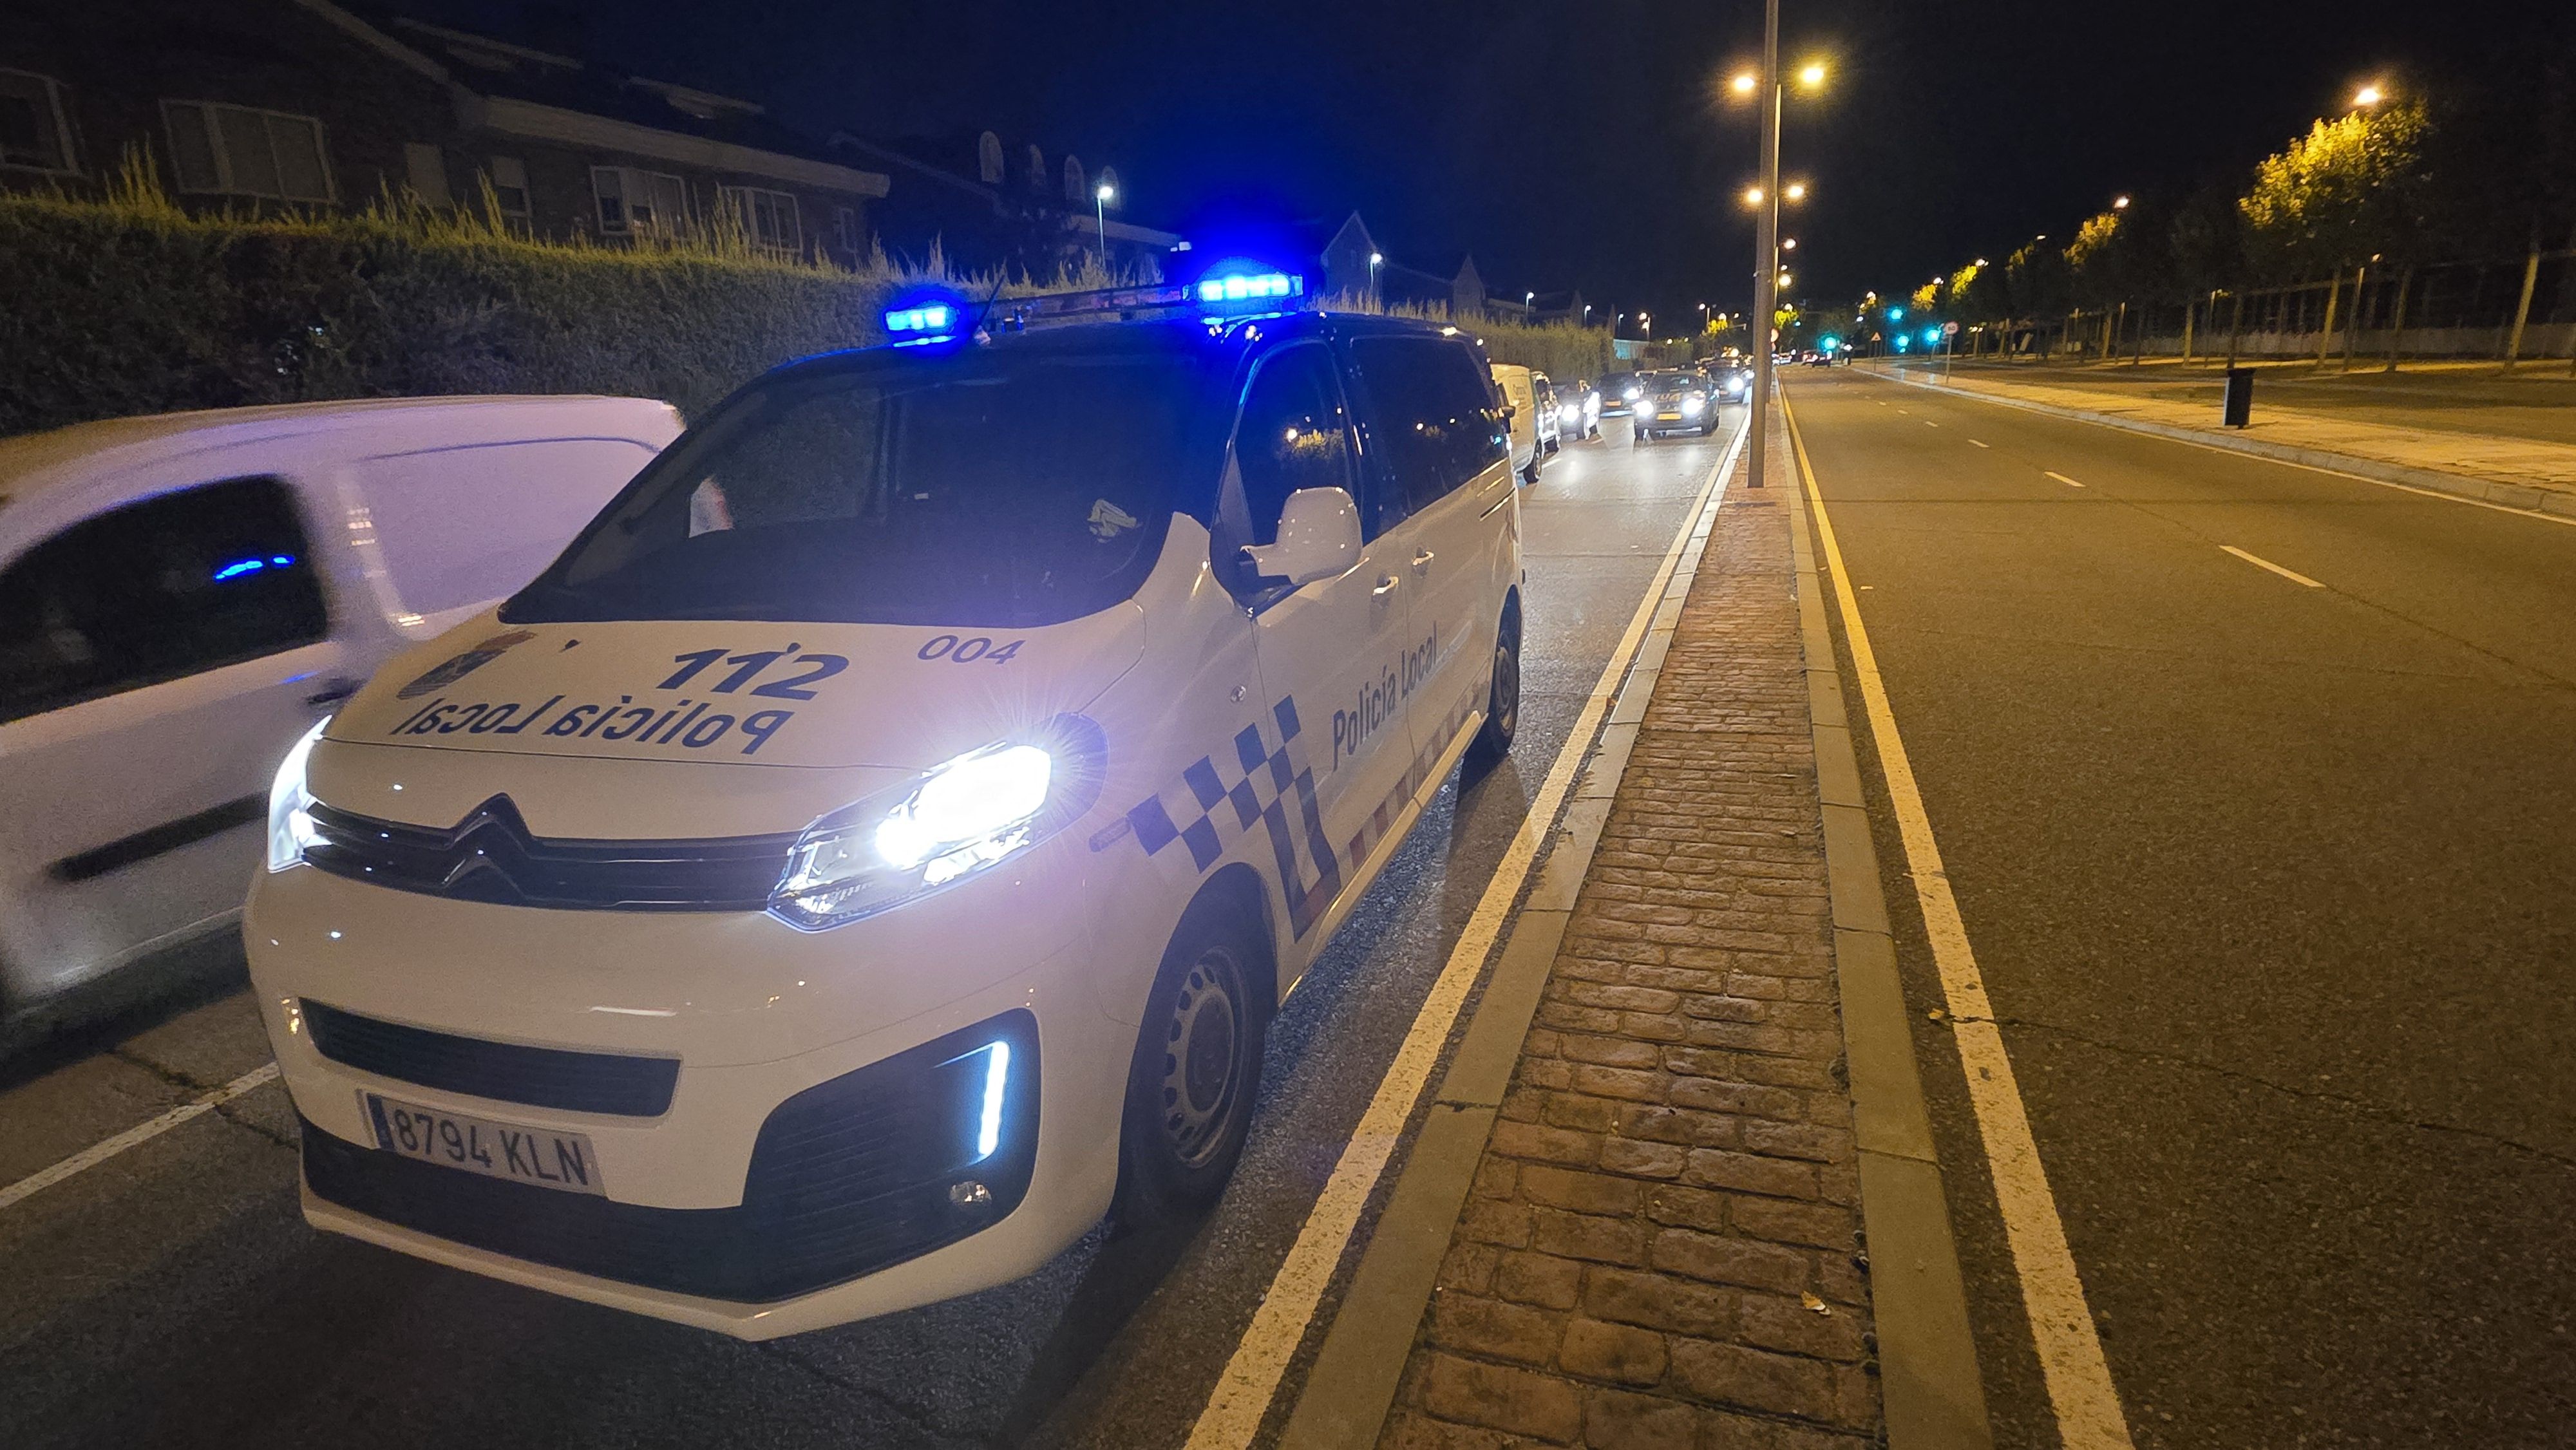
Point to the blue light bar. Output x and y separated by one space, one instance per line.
1251 286
241 567
936 319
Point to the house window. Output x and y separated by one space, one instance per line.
239 151
845 229
33 132
632 201
510 192
426 168
768 218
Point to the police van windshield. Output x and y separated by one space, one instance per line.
1003 486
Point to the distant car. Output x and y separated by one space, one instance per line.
1820 360
182 596
1522 399
1734 380
1543 391
1578 409
1675 403
1619 393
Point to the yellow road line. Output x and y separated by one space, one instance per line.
1243 1393
2061 1323
2062 478
2292 575
96 1154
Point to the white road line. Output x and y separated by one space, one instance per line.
1928 423
2061 1323
2293 575
2062 478
2435 493
1241 1399
91 1157
1980 445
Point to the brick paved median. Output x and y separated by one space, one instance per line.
1661 1246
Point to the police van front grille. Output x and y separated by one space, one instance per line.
545 1077
491 857
848 1177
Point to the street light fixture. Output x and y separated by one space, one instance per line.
2369 95
1752 196
1743 84
1100 196
1788 244
1796 191
2119 203
1812 74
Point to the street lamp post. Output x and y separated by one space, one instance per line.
1377 293
1766 292
1100 196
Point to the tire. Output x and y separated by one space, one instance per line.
1502 704
1529 475
1197 1068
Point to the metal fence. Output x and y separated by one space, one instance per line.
2520 309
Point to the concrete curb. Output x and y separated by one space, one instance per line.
1351 1387
2483 490
1930 1390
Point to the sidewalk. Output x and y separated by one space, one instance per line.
1661 1248
2519 471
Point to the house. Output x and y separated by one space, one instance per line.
986 205
258 104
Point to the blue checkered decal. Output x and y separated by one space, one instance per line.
1257 782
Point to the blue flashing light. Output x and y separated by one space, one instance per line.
936 319
1901 341
1931 337
1896 314
240 568
1250 286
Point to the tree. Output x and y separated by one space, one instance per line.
1963 298
2349 190
1926 298
2039 281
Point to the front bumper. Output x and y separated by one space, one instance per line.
773 1192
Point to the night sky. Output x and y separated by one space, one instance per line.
1586 145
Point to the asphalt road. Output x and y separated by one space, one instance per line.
2537 402
2269 885
172 1294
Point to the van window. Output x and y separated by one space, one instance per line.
1001 487
1431 412
466 526
154 591
1293 435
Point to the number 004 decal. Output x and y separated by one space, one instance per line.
968 650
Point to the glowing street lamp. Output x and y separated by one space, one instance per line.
1795 191
1100 198
1743 84
2119 203
1812 74
1788 244
2369 95
1752 196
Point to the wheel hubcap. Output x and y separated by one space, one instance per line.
1200 1060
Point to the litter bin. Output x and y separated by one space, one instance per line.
2240 397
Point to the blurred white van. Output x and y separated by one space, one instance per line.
182 596
1520 395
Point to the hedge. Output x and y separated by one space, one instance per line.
130 305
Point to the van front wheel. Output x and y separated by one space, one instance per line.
1197 1068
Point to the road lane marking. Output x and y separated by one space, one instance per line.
2293 575
2061 1323
2073 417
2062 478
91 1157
1928 423
1243 1393
1980 445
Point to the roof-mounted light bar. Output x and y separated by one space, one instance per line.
934 319
1250 287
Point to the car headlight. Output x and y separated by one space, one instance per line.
1632 397
1691 404
954 822
1569 414
290 805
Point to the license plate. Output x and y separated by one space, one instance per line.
1668 417
478 1145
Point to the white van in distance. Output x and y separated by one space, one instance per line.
181 596
878 844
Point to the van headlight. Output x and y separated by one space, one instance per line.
954 822
1691 404
290 805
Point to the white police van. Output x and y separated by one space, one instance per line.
879 841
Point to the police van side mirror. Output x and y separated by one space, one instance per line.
1319 537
